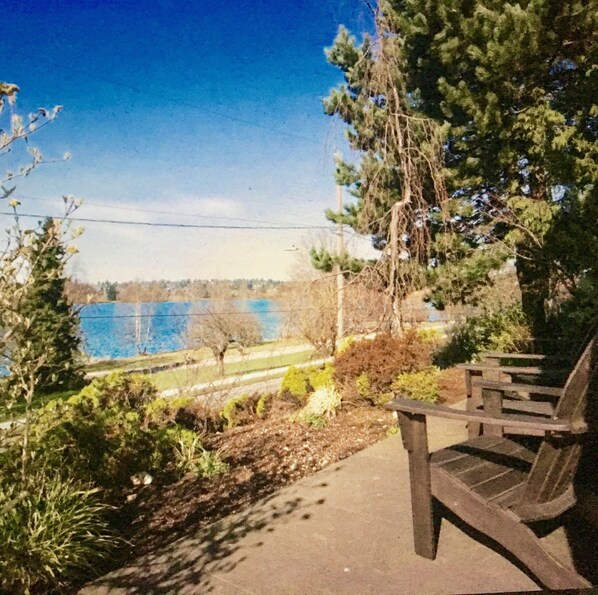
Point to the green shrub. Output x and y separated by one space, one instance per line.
504 329
378 360
264 404
364 386
240 410
53 531
430 336
320 377
131 390
163 411
393 431
193 457
421 386
105 441
295 384
345 343
315 421
575 319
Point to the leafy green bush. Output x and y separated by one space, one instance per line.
131 390
84 453
163 411
298 383
295 384
104 440
240 410
504 329
193 457
368 367
422 385
53 531
319 377
430 336
575 319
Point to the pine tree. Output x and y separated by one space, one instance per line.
53 330
513 86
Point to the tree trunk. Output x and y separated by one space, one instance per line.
533 277
220 362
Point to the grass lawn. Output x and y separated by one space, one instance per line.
186 377
179 357
183 378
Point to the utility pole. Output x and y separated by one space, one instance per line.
340 280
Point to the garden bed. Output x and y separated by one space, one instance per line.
263 457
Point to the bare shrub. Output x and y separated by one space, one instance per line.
223 324
368 367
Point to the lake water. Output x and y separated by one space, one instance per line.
109 330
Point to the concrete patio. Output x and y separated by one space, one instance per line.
346 529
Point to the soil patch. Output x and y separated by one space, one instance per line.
263 456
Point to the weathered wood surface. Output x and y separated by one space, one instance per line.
495 484
550 391
424 536
516 421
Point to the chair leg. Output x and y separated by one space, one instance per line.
425 535
474 400
504 528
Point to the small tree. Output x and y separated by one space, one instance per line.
223 324
53 329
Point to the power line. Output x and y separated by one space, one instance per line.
140 210
175 315
174 225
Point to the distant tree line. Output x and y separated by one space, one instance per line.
164 290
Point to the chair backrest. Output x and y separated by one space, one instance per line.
558 456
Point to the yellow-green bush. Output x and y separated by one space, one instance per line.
430 336
163 411
264 404
321 404
422 385
233 409
364 386
345 343
300 382
131 390
319 377
295 384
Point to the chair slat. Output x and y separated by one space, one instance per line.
557 459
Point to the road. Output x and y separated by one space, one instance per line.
209 361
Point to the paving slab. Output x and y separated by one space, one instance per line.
346 529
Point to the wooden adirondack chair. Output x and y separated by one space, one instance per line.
502 368
496 485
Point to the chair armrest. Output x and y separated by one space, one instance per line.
520 356
511 369
529 422
549 391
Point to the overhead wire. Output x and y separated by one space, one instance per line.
172 225
185 314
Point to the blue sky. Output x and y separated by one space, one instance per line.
209 112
